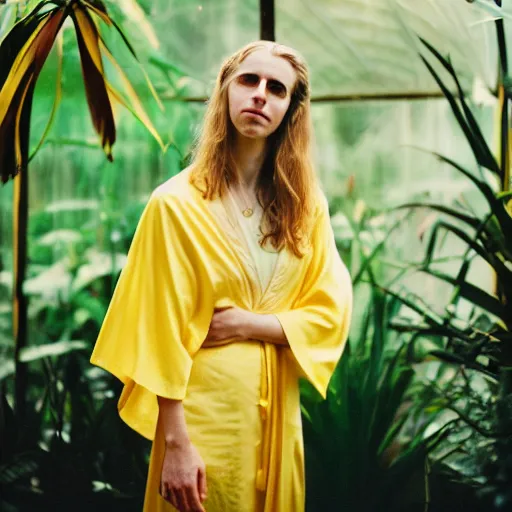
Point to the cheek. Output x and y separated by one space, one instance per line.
232 103
280 112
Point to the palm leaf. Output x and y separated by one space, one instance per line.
477 139
57 100
472 293
482 186
468 219
94 80
416 306
499 267
23 52
102 14
16 38
135 105
17 91
473 135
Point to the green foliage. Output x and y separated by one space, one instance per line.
370 433
71 446
485 236
478 345
352 438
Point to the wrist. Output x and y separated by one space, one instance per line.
176 441
247 326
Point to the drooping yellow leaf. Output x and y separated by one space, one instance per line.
20 66
18 136
89 34
135 105
110 22
33 53
100 13
16 95
94 79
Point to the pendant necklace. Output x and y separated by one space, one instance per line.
248 211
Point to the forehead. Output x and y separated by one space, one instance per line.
267 65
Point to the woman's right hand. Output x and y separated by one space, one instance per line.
183 481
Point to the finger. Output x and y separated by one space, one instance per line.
174 500
183 500
168 496
193 498
163 491
219 310
201 484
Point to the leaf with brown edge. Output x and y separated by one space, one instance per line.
134 104
58 96
94 78
9 166
15 39
17 91
103 15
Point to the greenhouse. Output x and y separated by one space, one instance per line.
116 281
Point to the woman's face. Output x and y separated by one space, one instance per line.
259 94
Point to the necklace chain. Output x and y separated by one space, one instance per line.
248 211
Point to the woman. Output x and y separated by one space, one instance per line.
233 290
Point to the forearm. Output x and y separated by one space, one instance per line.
172 416
266 328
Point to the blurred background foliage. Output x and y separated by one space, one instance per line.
419 412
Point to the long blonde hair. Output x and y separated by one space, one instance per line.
287 185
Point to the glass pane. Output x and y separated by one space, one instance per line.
197 35
368 46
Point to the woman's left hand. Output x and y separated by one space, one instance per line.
229 323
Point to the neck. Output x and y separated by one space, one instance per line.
249 156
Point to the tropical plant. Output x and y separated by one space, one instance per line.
356 452
369 433
70 447
23 53
485 237
478 345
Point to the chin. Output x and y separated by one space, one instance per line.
254 132
255 136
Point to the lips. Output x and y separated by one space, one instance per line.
257 112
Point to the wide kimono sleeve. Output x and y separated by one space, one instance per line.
159 314
317 325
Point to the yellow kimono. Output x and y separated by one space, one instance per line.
241 400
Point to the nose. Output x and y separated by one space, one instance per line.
260 93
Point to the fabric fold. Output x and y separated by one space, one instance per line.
241 400
317 324
158 316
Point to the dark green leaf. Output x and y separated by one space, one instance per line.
466 121
472 221
472 293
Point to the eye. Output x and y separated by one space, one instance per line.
277 88
248 79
